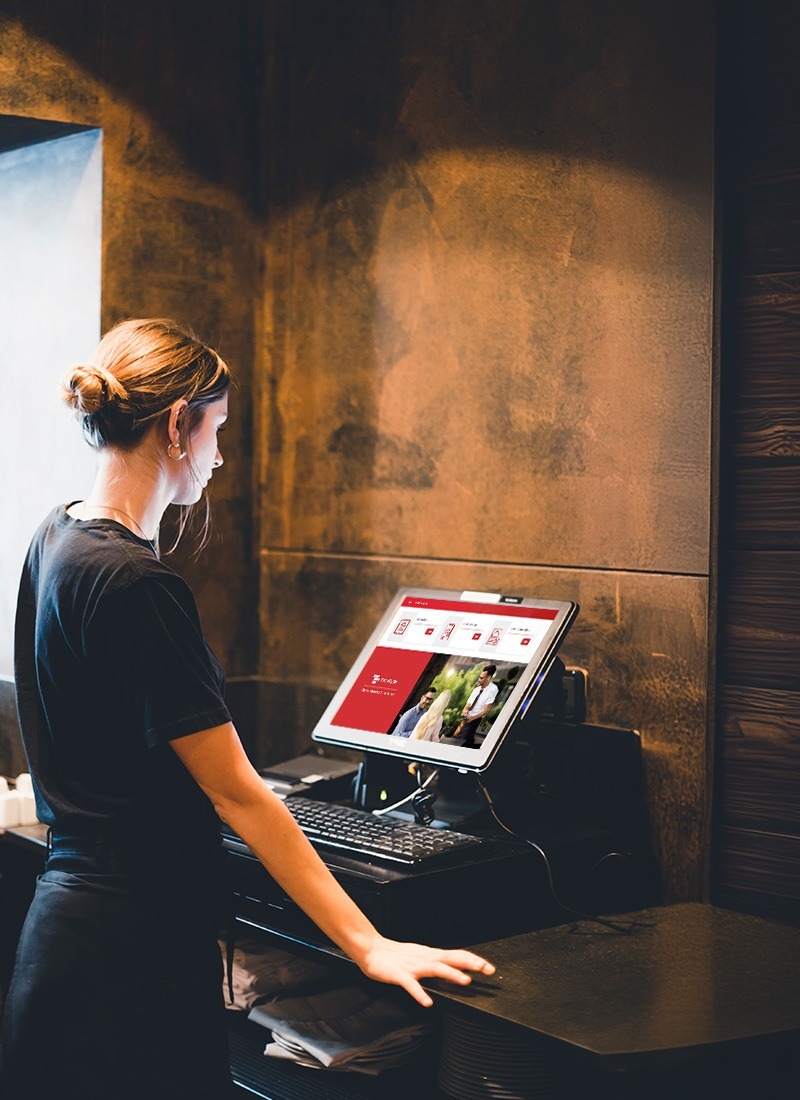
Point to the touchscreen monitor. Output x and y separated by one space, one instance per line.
445 675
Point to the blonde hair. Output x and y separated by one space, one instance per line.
430 723
139 370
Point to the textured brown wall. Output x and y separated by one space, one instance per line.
487 308
489 287
177 98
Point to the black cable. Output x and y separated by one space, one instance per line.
622 929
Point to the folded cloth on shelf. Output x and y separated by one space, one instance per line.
364 1063
261 972
347 1028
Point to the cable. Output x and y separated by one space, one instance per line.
414 794
623 929
608 855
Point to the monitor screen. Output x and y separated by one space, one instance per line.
445 675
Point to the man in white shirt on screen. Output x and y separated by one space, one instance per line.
478 705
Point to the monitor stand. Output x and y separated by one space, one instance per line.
453 798
449 801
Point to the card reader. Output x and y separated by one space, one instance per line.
323 776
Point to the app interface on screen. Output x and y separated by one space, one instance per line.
443 670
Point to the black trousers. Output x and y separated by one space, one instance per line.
117 986
468 732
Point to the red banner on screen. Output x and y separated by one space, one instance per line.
382 687
498 609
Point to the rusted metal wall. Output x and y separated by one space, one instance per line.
489 317
481 353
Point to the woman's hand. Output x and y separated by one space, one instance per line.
404 964
219 764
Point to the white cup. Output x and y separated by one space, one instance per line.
10 804
24 783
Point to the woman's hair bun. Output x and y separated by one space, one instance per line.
88 389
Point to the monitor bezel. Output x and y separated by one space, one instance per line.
434 753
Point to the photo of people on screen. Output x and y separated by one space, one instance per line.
478 705
429 727
408 722
455 700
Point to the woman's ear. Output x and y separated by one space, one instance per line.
174 426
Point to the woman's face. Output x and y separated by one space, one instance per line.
203 454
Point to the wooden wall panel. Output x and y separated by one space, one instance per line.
769 228
759 739
758 873
763 339
770 430
767 516
757 823
760 635
768 96
765 32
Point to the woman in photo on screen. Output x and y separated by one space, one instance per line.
429 727
117 986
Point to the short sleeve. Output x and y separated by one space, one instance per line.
169 681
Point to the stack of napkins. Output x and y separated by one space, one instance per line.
346 1028
261 973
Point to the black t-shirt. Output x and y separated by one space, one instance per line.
110 666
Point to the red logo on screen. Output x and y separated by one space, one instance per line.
475 637
525 641
375 699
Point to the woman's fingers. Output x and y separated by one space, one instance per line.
404 964
414 989
466 960
458 960
449 973
448 966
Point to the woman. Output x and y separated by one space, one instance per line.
117 984
429 726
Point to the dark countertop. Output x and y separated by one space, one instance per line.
687 978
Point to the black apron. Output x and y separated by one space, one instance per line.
117 985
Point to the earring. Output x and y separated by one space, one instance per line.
177 457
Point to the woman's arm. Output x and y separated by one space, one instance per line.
219 764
